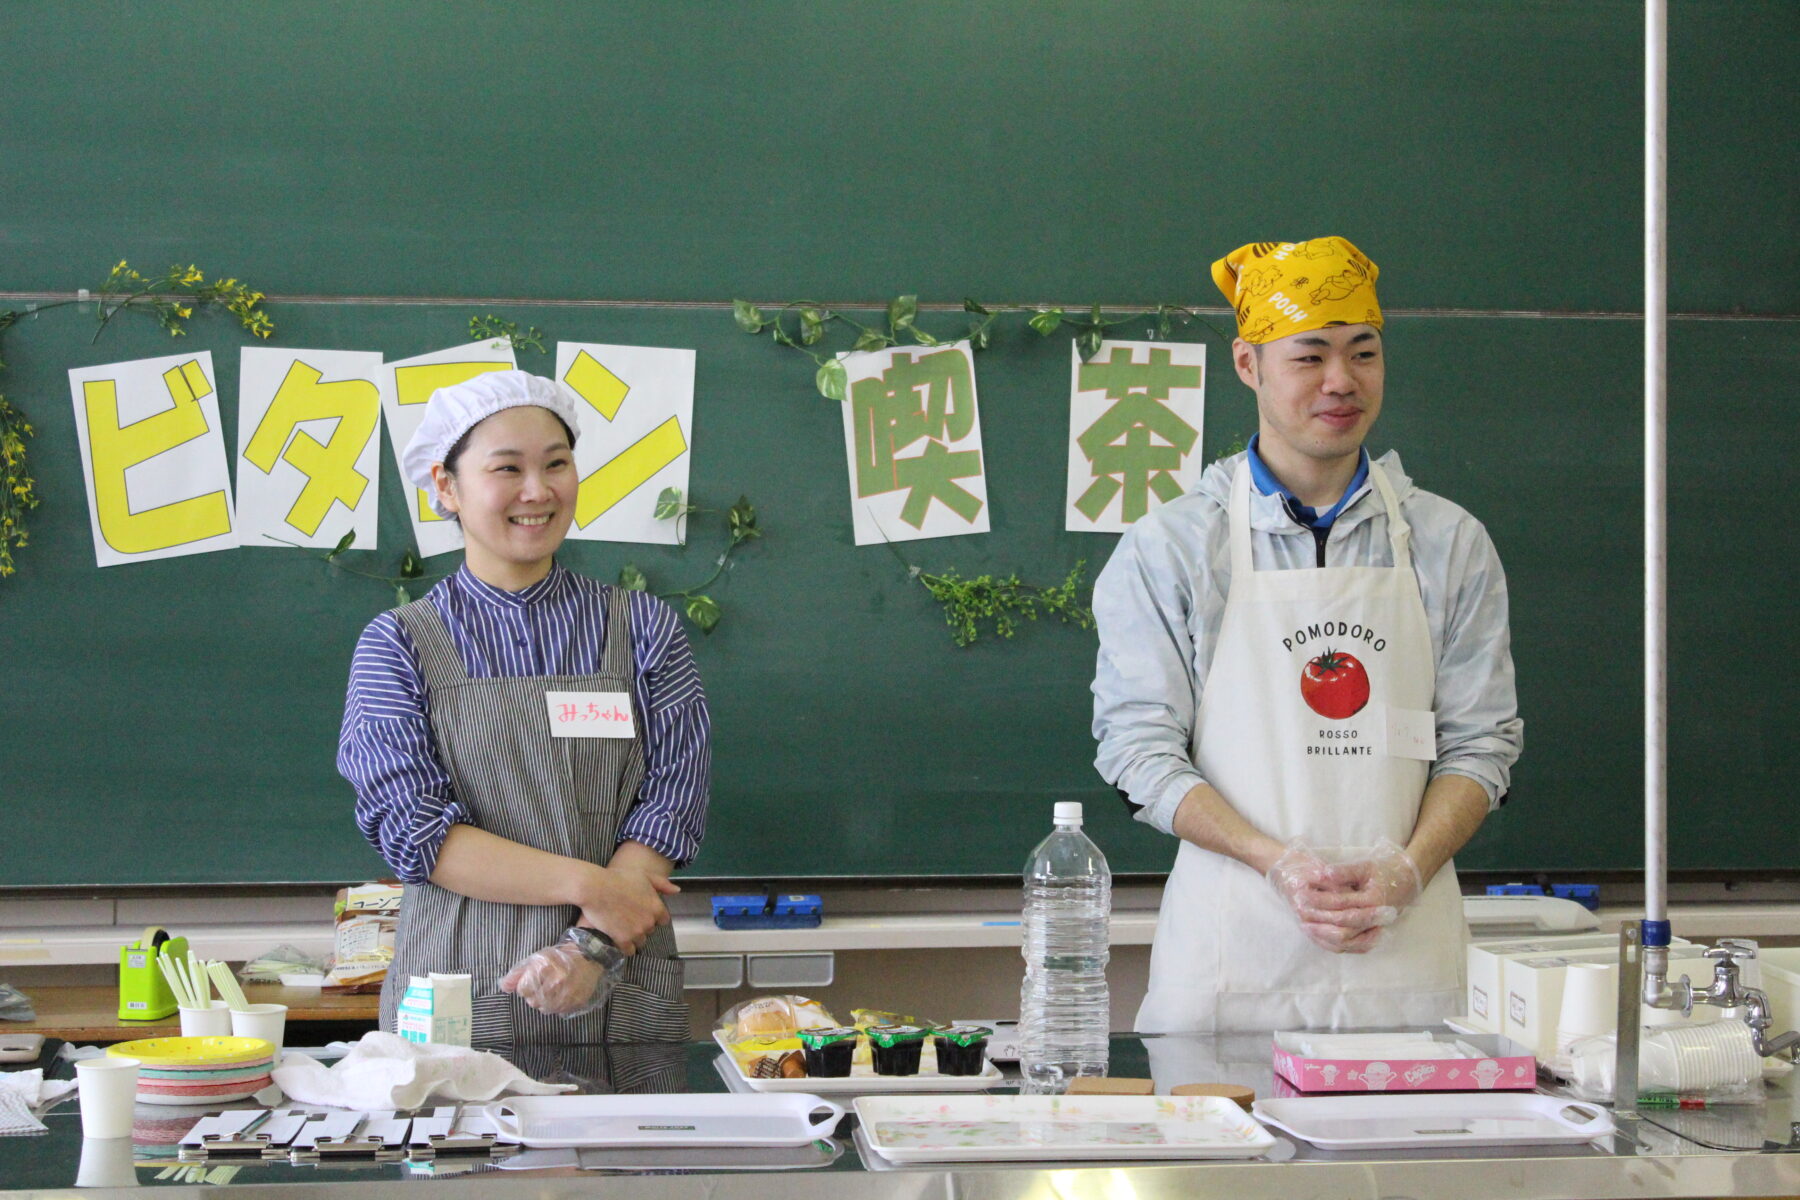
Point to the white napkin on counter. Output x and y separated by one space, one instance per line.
385 1071
1380 1045
23 1091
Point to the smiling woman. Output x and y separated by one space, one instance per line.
510 822
511 482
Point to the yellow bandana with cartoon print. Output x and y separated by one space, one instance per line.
1283 288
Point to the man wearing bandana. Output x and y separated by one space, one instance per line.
1305 675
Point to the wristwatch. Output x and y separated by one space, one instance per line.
595 946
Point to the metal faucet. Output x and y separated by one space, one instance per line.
1726 992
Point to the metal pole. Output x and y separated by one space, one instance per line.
1656 266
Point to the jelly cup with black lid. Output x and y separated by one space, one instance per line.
962 1049
829 1051
896 1048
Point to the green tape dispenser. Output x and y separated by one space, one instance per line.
144 994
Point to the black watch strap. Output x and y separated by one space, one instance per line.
594 944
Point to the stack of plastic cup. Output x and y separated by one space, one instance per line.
1706 1058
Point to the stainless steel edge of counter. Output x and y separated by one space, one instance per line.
1461 1179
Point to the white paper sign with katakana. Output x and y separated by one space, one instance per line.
1136 411
636 407
912 434
309 445
154 459
406 386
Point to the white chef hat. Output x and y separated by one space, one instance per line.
453 411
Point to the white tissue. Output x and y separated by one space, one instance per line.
23 1091
1377 1045
385 1071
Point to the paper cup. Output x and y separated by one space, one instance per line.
106 1163
1590 1002
266 1021
108 1094
206 1022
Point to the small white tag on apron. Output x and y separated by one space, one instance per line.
590 714
1411 733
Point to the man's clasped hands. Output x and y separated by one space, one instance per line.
1345 907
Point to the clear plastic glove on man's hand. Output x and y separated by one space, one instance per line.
1370 893
573 977
1344 907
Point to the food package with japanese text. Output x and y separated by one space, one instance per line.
763 1034
363 941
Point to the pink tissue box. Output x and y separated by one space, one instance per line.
1505 1066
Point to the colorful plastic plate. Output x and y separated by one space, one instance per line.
161 1087
194 1051
220 1098
230 1073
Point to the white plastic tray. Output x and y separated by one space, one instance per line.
907 1129
1405 1121
862 1079
550 1122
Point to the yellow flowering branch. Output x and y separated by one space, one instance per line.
16 484
173 296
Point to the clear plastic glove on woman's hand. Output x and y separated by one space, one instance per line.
562 980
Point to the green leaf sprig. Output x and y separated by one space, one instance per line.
1005 601
1001 602
700 608
802 324
487 327
411 569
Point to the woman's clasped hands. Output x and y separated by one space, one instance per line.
624 899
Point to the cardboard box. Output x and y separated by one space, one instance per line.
1533 988
1485 1005
1504 1066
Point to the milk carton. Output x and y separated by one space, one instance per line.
436 1008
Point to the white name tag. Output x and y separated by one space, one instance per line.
1411 733
590 714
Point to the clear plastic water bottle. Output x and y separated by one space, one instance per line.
1064 1010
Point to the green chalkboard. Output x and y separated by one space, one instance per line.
176 721
1487 155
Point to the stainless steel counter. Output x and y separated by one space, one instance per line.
1716 1152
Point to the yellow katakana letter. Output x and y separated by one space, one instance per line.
116 448
330 469
628 471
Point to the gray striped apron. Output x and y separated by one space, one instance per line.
564 795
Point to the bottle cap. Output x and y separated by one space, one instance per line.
1068 812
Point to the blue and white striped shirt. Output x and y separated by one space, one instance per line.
405 803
